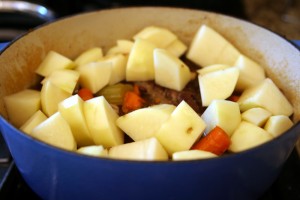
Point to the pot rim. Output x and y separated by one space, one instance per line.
294 131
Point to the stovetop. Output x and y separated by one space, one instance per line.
12 185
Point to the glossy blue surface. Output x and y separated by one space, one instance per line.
57 174
3 45
297 43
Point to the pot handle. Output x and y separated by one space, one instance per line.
3 45
296 43
27 8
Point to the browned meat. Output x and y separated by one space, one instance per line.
155 94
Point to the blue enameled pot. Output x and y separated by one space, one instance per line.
57 174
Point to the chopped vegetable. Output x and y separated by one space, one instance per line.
114 94
216 141
136 89
116 117
85 94
132 101
234 98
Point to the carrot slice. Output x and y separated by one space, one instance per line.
132 101
216 141
136 89
85 94
234 98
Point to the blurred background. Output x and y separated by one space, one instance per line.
280 16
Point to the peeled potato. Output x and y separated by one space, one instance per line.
217 85
170 71
22 105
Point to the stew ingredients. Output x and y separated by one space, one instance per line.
153 98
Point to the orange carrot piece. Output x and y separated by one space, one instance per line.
85 94
136 89
234 98
216 141
132 101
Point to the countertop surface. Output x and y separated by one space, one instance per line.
279 16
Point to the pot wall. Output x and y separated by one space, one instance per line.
58 174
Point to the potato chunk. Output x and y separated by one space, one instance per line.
192 155
33 121
209 47
55 131
218 84
247 136
160 37
22 105
123 47
90 73
251 73
52 62
181 130
143 123
65 79
148 150
51 96
170 71
118 67
278 124
101 120
71 110
268 96
257 116
177 48
140 65
222 113
94 150
90 55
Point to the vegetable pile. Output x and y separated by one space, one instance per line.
153 98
